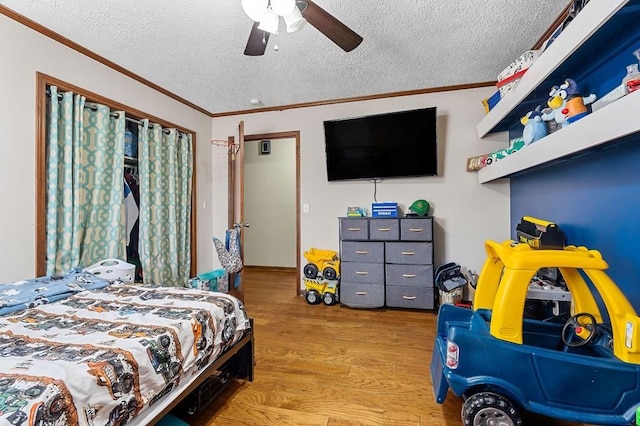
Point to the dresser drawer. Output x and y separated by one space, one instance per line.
362 272
384 229
409 253
354 228
362 251
361 295
409 275
416 229
401 296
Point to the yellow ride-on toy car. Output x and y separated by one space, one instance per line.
323 263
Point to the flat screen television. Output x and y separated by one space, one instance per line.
397 144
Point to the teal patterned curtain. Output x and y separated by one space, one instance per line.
85 166
166 168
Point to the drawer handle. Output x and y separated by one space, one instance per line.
361 293
353 229
416 229
362 273
362 251
408 253
409 275
409 297
384 229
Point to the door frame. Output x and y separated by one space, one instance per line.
239 180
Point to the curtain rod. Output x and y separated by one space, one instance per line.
94 107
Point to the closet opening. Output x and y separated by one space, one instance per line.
133 120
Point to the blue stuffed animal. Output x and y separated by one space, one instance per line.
534 128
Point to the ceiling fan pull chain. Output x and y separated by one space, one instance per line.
275 46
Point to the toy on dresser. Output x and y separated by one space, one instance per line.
567 104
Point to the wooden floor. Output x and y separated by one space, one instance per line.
333 365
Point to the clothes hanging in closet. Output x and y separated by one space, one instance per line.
131 207
133 256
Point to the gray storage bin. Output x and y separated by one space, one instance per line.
409 275
409 253
362 251
361 295
384 229
356 228
401 296
362 272
416 229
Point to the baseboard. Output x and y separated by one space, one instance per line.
270 268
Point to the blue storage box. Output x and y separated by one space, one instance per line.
386 209
216 280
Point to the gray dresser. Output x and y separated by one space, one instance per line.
386 262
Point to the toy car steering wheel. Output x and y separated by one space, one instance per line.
578 325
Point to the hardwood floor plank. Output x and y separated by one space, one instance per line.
323 365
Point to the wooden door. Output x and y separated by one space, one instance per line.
236 195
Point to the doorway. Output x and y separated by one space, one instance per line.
270 179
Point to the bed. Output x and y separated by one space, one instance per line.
78 350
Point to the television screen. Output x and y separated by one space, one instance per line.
397 144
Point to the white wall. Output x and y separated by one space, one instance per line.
24 52
270 204
466 213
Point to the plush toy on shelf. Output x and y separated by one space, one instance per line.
567 104
534 128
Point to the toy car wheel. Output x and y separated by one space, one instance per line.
311 271
329 273
312 297
329 299
486 408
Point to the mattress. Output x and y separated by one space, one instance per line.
106 356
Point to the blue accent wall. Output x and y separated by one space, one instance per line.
595 200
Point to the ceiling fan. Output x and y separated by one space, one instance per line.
266 13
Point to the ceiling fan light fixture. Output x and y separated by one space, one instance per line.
294 20
269 22
283 7
255 9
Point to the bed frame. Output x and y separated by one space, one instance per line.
237 362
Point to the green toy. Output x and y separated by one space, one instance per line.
420 207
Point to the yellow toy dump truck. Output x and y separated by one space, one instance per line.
323 262
320 290
321 276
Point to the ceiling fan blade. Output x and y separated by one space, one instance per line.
257 43
328 25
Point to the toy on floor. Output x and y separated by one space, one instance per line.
323 262
317 290
502 362
321 276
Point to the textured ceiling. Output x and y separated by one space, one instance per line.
194 49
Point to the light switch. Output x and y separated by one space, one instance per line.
305 207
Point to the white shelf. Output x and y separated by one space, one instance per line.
603 126
584 46
593 16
